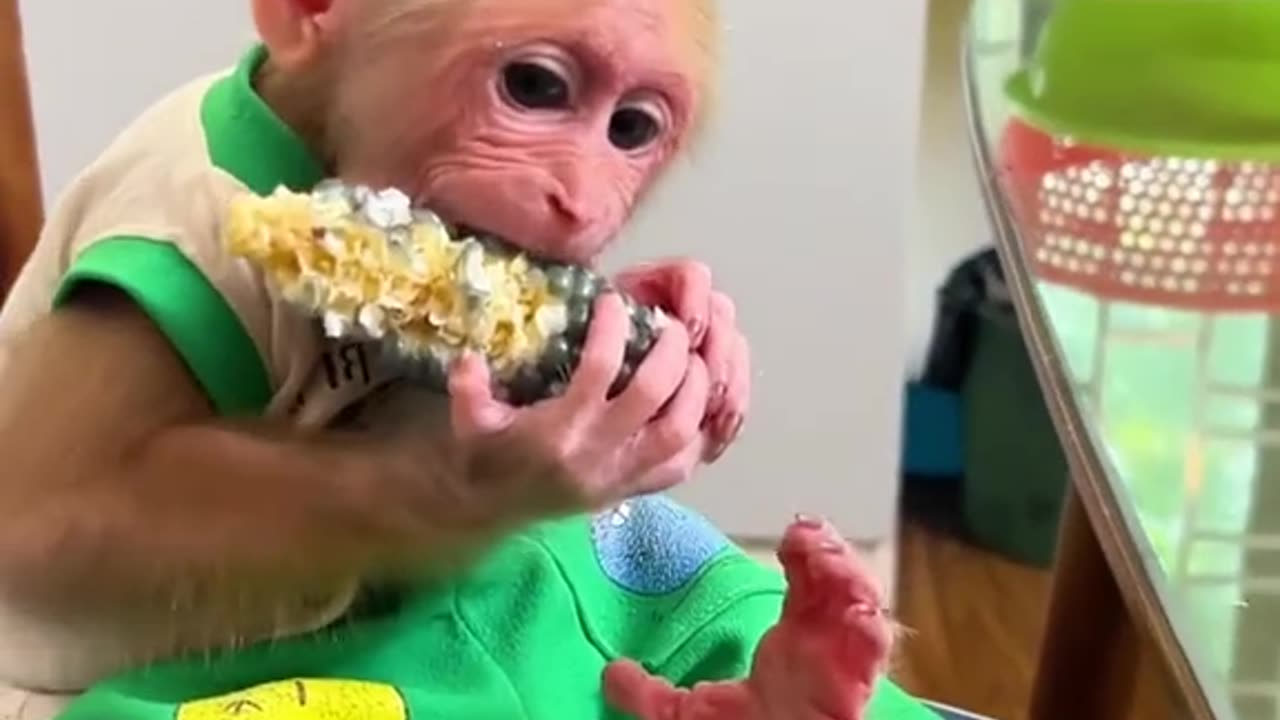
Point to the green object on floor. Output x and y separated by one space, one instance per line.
525 635
1188 78
1015 470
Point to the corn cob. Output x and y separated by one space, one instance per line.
373 268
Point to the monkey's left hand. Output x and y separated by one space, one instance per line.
684 289
820 662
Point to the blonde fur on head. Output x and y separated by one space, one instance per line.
703 26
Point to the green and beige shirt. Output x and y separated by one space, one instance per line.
146 218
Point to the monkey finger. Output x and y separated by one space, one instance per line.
603 352
650 283
737 397
726 425
720 350
678 427
691 292
726 307
473 409
630 688
681 287
642 282
653 385
722 435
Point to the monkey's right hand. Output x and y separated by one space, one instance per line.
584 450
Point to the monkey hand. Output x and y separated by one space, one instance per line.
684 289
820 662
585 450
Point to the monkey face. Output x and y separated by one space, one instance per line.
542 122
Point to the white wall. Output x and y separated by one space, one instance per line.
95 65
950 220
800 200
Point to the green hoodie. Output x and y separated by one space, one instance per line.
525 635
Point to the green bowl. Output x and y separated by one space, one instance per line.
1188 78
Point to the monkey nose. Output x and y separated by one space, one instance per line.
567 211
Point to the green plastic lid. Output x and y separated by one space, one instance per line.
1190 78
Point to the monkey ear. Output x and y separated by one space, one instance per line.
291 29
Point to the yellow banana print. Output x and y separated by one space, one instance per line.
302 699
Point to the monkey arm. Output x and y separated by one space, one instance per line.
122 489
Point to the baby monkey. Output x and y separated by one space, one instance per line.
193 468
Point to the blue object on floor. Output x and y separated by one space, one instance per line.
932 437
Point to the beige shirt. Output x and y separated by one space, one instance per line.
146 217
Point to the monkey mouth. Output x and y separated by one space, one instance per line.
490 240
462 230
540 253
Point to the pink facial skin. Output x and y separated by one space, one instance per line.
547 121
820 662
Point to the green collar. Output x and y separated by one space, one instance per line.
247 139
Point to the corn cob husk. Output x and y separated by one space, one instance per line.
370 266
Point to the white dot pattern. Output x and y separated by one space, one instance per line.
1168 229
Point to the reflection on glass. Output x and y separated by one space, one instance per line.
1159 277
1174 395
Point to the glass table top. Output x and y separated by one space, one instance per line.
1157 279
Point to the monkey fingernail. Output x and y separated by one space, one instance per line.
715 406
697 332
809 521
716 419
722 429
718 450
732 426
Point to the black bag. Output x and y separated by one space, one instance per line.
1015 471
976 282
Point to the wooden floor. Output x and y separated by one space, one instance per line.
973 620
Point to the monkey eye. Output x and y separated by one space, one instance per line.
633 127
534 85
